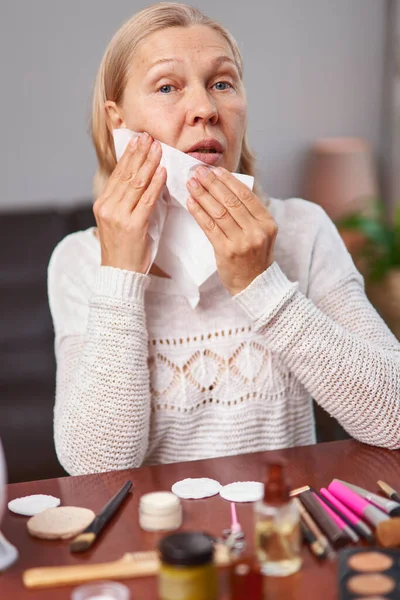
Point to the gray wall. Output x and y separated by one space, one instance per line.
391 111
312 68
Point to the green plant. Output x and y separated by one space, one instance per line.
381 251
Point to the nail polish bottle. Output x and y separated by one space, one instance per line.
277 525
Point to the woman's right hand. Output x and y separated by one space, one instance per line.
123 210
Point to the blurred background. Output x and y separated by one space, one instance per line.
323 84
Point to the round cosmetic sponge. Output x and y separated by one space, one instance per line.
60 523
33 505
199 487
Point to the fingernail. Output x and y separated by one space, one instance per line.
217 170
153 148
134 141
202 171
144 137
193 182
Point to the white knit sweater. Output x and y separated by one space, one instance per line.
144 378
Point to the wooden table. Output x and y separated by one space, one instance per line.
314 465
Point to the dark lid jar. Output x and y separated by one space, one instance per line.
187 569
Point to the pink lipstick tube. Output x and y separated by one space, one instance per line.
362 529
387 506
361 507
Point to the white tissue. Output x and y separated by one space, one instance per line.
178 245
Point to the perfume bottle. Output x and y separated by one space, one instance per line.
277 525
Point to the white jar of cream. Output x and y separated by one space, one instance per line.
160 511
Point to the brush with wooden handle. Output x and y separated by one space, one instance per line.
136 564
85 540
389 491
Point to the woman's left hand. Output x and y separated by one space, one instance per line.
237 224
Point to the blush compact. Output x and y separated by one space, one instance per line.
369 573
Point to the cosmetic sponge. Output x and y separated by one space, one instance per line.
60 523
388 532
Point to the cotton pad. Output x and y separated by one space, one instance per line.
32 505
60 523
242 491
200 487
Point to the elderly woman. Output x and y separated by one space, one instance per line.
144 378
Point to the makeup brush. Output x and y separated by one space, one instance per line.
389 491
309 538
341 520
350 529
388 532
338 520
85 539
333 532
347 515
357 504
387 506
312 525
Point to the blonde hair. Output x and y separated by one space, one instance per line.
114 71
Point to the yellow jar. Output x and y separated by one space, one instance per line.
187 569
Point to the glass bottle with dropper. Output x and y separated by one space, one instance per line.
277 525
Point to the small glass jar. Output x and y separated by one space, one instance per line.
187 570
101 590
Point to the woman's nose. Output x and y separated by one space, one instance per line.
201 107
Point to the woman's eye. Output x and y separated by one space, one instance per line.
166 89
222 85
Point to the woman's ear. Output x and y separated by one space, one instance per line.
115 115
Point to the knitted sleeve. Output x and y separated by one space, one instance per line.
332 339
102 408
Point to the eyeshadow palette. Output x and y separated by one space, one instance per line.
369 573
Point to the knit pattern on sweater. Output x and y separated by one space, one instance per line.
142 378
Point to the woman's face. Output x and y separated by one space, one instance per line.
185 91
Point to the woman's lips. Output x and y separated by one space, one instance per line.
211 158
